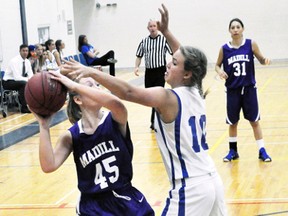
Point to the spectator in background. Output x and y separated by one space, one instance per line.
17 74
60 45
45 62
42 56
32 57
90 54
154 49
53 55
44 47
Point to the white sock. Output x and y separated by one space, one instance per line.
260 143
232 139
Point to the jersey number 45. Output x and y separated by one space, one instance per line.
113 170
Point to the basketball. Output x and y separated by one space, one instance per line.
44 95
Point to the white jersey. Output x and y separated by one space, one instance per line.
183 142
52 65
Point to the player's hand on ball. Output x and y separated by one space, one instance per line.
75 70
63 79
44 95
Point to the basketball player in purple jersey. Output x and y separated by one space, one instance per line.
237 58
102 149
196 187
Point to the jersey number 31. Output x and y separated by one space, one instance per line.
240 69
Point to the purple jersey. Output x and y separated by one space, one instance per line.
103 159
238 63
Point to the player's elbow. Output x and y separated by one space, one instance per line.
124 94
47 169
129 96
117 105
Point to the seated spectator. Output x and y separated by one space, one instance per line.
40 63
60 45
45 61
44 46
90 54
53 55
17 74
32 57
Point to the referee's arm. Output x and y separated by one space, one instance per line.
139 55
137 65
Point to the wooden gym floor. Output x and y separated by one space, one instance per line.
251 186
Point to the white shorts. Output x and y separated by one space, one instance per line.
202 195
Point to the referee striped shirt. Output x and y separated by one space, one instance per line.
154 51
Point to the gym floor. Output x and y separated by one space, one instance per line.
251 186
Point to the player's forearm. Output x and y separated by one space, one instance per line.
172 40
46 155
117 86
218 69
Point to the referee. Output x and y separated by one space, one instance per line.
154 49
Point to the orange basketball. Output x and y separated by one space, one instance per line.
44 95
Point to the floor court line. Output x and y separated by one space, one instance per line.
264 201
273 213
30 205
12 119
27 131
273 199
19 125
64 197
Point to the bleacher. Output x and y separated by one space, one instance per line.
80 58
77 57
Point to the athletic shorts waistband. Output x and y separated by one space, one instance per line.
106 194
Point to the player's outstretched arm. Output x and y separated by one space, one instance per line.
107 100
163 27
153 97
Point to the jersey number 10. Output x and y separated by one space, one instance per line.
194 132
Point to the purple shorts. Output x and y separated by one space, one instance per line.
244 98
124 201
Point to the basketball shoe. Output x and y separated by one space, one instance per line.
264 156
232 155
